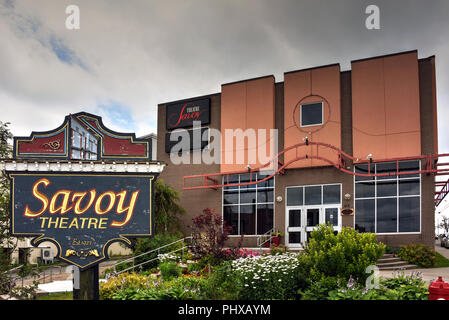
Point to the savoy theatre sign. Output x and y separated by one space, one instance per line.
82 187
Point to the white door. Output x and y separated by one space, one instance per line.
295 227
312 217
302 220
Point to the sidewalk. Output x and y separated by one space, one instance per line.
60 278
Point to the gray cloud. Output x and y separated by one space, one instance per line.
139 53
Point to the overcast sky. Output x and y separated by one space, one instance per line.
128 56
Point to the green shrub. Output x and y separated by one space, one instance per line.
319 290
169 270
181 288
341 255
419 254
147 244
222 283
278 250
389 249
400 287
122 266
194 268
122 282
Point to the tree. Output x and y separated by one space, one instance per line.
6 242
445 224
209 234
167 225
166 208
7 284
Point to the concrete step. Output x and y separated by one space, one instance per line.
403 267
389 255
392 264
385 260
391 261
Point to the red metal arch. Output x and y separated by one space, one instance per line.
430 161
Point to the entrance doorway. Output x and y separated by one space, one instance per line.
301 221
302 217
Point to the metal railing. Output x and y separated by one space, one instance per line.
43 277
158 250
265 238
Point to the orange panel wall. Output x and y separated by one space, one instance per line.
247 105
385 107
312 85
434 104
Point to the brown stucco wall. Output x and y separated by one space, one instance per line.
194 201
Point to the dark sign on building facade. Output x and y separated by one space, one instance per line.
182 115
82 213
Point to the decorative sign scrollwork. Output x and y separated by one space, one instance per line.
53 145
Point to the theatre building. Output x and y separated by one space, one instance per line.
355 148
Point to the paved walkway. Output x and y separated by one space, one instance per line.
428 274
60 278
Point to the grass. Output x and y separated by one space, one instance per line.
57 296
441 262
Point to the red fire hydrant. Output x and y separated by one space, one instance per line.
439 290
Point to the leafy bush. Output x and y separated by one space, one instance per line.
181 288
222 283
278 249
122 266
319 290
419 254
209 233
166 208
194 268
169 270
393 250
341 255
122 282
267 277
147 244
398 288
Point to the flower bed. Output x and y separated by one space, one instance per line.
267 277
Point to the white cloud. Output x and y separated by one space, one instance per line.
141 53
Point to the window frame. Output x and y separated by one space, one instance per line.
250 188
301 117
397 179
322 207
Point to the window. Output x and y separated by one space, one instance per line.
249 208
311 114
314 195
84 145
390 203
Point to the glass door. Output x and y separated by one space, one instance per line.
313 218
295 227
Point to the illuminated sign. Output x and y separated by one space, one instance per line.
82 213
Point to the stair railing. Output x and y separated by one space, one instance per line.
158 250
265 238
